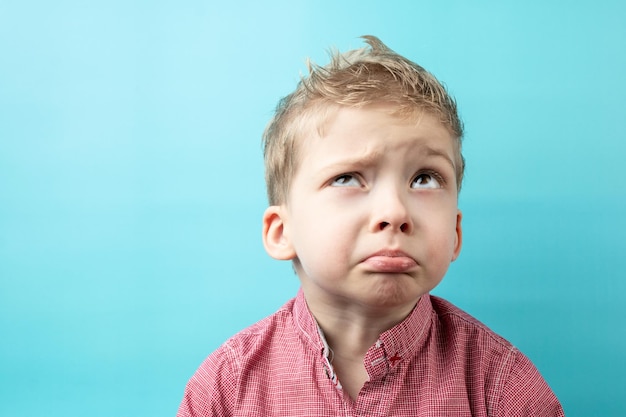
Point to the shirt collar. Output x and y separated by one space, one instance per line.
305 322
400 343
394 346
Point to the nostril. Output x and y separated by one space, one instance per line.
404 227
383 225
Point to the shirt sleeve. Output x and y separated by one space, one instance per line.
526 393
211 391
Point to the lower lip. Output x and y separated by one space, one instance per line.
390 264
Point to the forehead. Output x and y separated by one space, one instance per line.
374 130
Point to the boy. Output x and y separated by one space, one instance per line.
363 167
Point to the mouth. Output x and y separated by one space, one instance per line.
389 261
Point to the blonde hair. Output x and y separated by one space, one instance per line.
356 78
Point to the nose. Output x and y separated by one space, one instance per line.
390 212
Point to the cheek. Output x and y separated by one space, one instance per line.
443 240
323 248
325 242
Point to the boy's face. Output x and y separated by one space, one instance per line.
371 218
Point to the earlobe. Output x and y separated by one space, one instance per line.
275 236
458 241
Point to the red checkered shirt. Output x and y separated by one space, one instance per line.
439 361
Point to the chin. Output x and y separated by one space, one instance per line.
391 295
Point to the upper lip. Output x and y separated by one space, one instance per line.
391 253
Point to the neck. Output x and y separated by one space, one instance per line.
351 330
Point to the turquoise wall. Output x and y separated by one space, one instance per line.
131 185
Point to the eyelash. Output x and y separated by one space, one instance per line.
354 176
437 176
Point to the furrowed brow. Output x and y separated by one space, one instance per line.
439 153
359 162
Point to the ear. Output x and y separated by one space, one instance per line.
275 236
458 240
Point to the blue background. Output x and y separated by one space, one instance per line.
131 185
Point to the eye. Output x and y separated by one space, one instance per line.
427 180
346 180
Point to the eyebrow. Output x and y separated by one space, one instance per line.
438 152
360 162
369 159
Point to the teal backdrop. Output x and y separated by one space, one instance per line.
131 185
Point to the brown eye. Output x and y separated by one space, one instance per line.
425 180
346 180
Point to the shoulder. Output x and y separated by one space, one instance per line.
463 342
457 324
259 339
215 384
513 385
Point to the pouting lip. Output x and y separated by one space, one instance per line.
390 253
